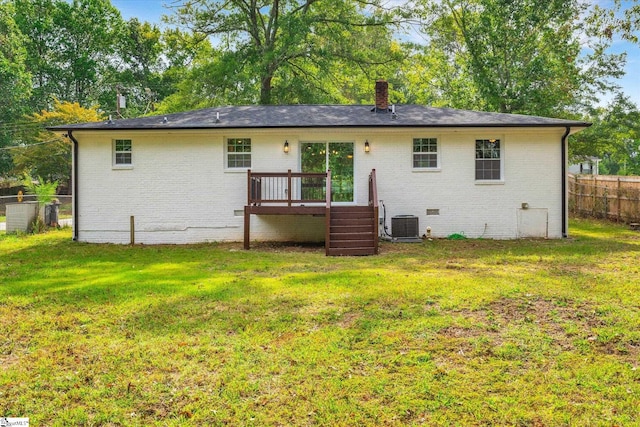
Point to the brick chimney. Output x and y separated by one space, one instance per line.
382 96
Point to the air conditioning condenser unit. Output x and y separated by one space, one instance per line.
404 226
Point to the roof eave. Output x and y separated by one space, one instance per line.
387 126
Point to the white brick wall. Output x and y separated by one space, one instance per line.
532 175
179 191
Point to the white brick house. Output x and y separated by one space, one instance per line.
183 178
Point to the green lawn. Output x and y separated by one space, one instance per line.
466 332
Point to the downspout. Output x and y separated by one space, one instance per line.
565 230
75 185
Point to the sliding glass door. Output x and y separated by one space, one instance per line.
337 156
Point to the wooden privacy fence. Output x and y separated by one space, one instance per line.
604 196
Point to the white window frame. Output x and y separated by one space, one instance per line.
228 153
489 181
437 153
115 152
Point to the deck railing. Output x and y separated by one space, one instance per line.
277 193
290 188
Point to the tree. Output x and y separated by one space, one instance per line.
47 154
184 53
83 51
212 78
432 75
287 50
90 31
71 45
136 69
526 56
36 21
614 137
14 81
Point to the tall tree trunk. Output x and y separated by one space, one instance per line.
265 90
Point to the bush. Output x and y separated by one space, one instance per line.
44 191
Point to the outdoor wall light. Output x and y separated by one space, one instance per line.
286 146
367 147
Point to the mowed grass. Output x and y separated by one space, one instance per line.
473 332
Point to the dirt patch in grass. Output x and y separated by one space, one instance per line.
348 319
8 360
282 246
385 247
567 325
459 332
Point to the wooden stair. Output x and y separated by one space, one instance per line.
352 231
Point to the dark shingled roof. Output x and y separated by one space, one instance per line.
319 116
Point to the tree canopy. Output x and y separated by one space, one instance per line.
614 138
47 154
542 57
289 51
14 80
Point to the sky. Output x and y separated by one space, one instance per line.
152 10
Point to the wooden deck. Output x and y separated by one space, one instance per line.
350 230
285 210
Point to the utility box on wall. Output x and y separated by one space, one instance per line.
20 216
533 222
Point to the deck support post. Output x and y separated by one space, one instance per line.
132 230
247 226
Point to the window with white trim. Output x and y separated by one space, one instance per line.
238 153
425 153
122 150
488 159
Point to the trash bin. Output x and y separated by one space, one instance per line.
51 211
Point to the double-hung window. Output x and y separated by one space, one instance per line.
488 160
122 150
238 153
425 153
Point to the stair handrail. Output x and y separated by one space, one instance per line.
373 189
327 216
373 202
249 195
